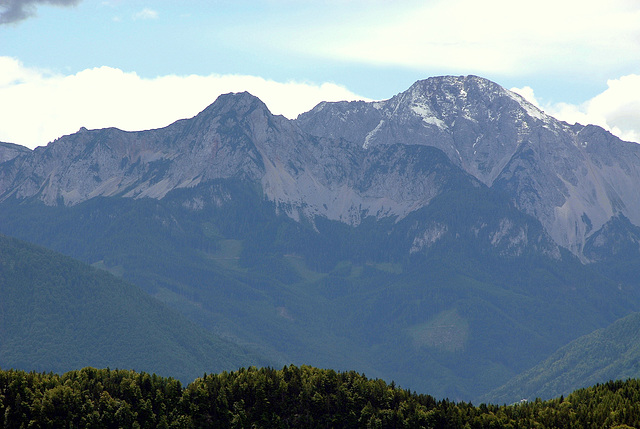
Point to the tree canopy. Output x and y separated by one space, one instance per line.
291 397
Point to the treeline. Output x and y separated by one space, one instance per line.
291 397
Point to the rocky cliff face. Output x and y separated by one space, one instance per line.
112 162
347 161
235 137
9 151
572 178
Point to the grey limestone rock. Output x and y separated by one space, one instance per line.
572 178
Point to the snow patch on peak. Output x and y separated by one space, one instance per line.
428 116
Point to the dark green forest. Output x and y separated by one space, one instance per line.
58 314
291 397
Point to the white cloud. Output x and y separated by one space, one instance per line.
38 107
146 13
617 109
619 105
13 73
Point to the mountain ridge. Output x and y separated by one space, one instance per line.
571 178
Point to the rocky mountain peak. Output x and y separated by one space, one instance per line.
235 103
454 87
446 99
573 179
476 122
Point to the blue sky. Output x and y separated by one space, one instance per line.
140 64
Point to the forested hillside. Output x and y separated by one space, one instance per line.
290 397
611 353
57 314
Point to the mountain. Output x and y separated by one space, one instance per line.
366 236
57 314
571 178
611 353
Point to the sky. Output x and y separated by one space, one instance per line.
66 64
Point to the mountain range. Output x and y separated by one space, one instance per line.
449 238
